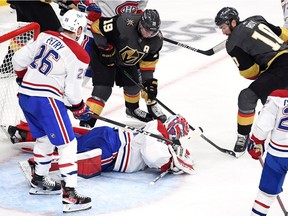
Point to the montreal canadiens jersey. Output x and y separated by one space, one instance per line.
56 66
274 117
138 151
111 8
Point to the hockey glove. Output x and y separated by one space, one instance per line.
85 5
107 56
20 75
256 150
182 161
80 111
150 87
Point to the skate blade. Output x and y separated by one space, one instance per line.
76 207
239 154
39 191
26 169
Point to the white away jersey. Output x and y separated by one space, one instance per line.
274 118
111 8
56 66
138 151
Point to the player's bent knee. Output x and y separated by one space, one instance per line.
247 100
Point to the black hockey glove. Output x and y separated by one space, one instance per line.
150 87
107 56
64 6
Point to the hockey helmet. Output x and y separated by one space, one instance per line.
150 21
177 127
226 15
73 19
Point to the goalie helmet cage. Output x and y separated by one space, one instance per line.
13 37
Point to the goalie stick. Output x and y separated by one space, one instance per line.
278 197
158 177
209 52
226 151
130 128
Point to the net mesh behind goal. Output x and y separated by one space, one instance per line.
13 37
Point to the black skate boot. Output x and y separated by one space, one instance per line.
73 201
241 143
44 185
139 114
156 112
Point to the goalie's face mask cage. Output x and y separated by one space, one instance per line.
177 127
225 17
149 23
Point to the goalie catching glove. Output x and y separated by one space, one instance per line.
80 111
256 148
150 91
182 161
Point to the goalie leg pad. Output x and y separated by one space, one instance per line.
89 163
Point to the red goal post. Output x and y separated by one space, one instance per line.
13 37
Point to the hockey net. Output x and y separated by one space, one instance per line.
13 36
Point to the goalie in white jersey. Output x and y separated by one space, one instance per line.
123 151
50 70
273 121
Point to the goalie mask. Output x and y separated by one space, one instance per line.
177 127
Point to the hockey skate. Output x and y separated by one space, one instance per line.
139 114
44 185
241 143
72 201
156 112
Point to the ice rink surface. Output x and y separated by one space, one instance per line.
204 89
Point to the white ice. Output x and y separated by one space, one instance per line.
202 88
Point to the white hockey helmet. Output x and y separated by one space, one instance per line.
73 19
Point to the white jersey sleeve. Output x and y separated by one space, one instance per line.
56 66
112 8
141 150
274 118
284 4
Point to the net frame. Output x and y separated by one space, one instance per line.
18 34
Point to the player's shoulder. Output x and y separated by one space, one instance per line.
73 45
282 93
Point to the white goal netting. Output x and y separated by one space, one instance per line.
13 36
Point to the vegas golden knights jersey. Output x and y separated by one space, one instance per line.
254 44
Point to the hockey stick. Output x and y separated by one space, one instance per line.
130 128
226 151
209 52
278 197
158 177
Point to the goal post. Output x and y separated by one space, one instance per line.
13 37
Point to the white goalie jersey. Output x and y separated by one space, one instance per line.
274 118
139 150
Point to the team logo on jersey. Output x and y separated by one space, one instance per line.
127 7
130 56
